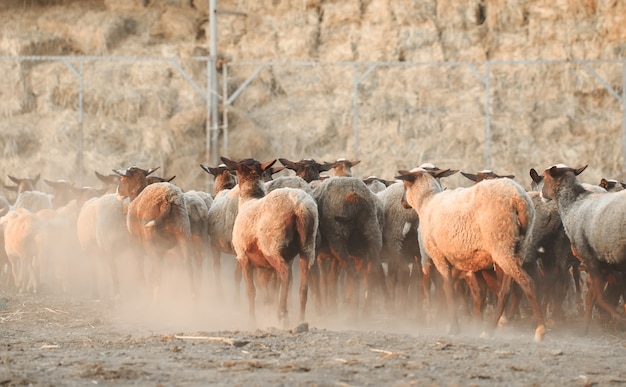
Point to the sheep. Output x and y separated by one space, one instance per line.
376 184
24 240
594 223
489 278
110 181
222 214
401 246
198 210
485 174
343 167
62 192
472 229
611 185
550 247
60 244
27 195
102 235
350 219
270 230
308 169
157 219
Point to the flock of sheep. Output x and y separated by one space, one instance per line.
359 241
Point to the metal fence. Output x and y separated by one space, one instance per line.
360 83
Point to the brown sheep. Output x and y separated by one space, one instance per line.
271 230
157 220
472 229
24 241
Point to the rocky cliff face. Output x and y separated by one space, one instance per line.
394 83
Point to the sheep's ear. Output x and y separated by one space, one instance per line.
209 170
324 167
288 164
578 171
277 169
170 179
14 179
121 172
508 176
151 171
405 175
470 176
604 183
230 164
11 188
443 173
267 164
355 162
36 179
535 176
446 172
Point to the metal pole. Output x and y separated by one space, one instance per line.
623 119
487 118
213 80
355 110
225 109
80 160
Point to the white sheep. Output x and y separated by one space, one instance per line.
594 223
271 230
472 229
222 214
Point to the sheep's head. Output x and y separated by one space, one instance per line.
555 175
132 181
537 181
486 174
343 167
23 185
63 191
248 169
307 169
224 178
419 178
612 185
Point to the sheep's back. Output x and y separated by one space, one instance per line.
596 224
159 207
490 216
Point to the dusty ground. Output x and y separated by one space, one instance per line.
69 339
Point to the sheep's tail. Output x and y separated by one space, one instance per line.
307 224
525 212
350 200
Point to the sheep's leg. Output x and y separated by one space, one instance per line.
217 270
313 278
526 283
416 279
15 271
114 275
594 295
238 276
444 269
477 295
304 286
248 273
284 278
503 297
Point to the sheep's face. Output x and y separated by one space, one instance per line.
343 167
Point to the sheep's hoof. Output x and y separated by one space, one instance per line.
539 333
486 335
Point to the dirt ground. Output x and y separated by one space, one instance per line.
69 339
